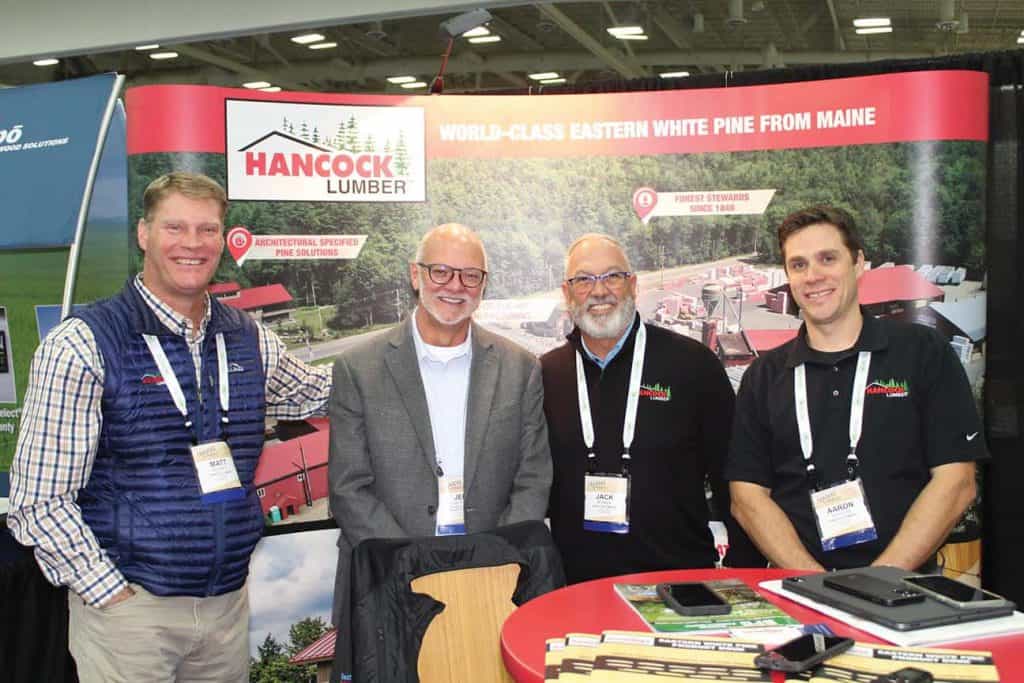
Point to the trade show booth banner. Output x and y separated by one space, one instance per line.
64 231
330 194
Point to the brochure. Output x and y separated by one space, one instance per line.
628 656
866 661
749 610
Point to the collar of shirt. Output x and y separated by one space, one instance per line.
872 338
440 354
603 363
169 317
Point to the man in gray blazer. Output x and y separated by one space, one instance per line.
438 426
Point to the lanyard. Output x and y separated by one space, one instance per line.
860 382
632 401
174 387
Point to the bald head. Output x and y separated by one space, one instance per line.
450 235
590 243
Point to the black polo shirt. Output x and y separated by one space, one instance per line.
918 413
682 430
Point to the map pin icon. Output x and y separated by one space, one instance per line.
239 241
644 201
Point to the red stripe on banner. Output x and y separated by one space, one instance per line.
901 107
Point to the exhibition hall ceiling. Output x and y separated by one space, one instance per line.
565 40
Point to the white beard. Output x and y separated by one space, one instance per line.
609 325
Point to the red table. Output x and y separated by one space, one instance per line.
593 607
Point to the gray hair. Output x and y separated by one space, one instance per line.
452 229
596 236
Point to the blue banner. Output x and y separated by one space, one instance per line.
48 135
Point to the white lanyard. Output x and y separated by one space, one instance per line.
860 382
171 379
632 398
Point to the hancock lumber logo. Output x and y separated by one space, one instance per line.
656 392
890 388
324 152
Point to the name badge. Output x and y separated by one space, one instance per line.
451 519
843 516
215 469
606 503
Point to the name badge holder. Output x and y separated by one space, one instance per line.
451 519
606 495
212 460
841 511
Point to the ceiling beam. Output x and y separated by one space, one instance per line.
608 57
839 42
248 72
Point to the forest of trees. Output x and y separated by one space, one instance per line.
919 202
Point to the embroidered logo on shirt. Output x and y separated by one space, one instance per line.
152 379
235 367
656 392
890 388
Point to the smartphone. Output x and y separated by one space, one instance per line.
906 675
692 599
806 652
874 589
956 593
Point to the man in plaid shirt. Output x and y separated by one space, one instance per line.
140 434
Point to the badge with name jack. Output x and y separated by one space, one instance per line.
606 503
451 519
215 469
842 515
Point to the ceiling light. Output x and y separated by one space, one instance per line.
871 31
398 80
256 85
486 39
675 74
46 62
163 55
322 46
476 32
619 31
1020 40
273 88
553 81
543 76
872 22
632 37
414 84
307 38
151 46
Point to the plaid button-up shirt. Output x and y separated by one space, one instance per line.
60 429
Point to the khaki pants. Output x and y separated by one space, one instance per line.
161 639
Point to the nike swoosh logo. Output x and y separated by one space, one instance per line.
970 437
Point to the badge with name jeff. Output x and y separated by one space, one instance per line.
215 468
606 503
450 499
842 514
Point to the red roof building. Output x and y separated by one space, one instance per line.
319 652
259 297
766 340
897 284
292 474
221 289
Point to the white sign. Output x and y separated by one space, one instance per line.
324 152
649 203
245 246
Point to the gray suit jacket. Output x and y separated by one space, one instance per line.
382 463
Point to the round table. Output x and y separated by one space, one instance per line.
593 606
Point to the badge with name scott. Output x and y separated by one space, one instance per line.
450 500
215 468
842 515
606 503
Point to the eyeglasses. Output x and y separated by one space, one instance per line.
441 274
581 284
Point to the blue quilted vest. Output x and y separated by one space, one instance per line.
142 500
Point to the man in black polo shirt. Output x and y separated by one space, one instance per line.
854 444
628 490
